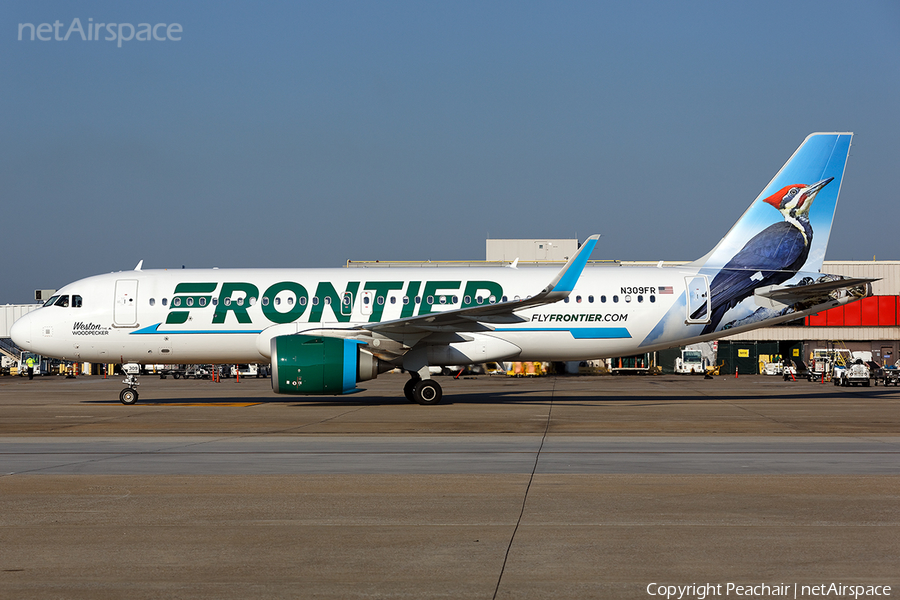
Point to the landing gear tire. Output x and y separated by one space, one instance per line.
128 396
409 390
427 392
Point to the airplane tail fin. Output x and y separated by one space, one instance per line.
802 195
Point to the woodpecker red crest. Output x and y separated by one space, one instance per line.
796 199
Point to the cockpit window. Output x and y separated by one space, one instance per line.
63 301
51 301
76 301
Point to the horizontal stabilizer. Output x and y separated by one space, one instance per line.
801 293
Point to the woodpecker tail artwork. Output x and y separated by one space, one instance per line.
768 264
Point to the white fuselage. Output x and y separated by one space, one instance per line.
229 315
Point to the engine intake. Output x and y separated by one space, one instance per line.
306 364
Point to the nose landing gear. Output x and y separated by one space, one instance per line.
129 395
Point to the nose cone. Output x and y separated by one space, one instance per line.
20 332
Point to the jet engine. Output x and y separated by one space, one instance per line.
307 364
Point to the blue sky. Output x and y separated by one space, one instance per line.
305 134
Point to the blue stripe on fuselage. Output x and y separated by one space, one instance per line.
581 333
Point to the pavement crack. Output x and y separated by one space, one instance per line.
537 458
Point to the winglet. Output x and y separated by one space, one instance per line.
565 280
139 265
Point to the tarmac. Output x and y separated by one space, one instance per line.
552 487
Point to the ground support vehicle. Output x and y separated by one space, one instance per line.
890 375
690 362
795 369
823 362
41 365
856 373
249 370
197 372
773 368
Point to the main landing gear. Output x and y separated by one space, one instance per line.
422 391
129 395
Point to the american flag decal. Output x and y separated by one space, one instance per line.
665 289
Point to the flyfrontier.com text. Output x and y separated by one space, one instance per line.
92 32
701 591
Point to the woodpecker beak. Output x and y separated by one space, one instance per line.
812 190
806 197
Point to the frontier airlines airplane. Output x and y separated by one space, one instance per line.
326 330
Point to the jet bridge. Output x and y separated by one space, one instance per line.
9 314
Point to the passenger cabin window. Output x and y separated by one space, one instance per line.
603 299
165 301
152 301
590 299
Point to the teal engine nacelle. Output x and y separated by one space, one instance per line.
307 364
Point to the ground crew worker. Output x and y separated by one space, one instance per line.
29 363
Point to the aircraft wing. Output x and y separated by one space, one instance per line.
481 318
